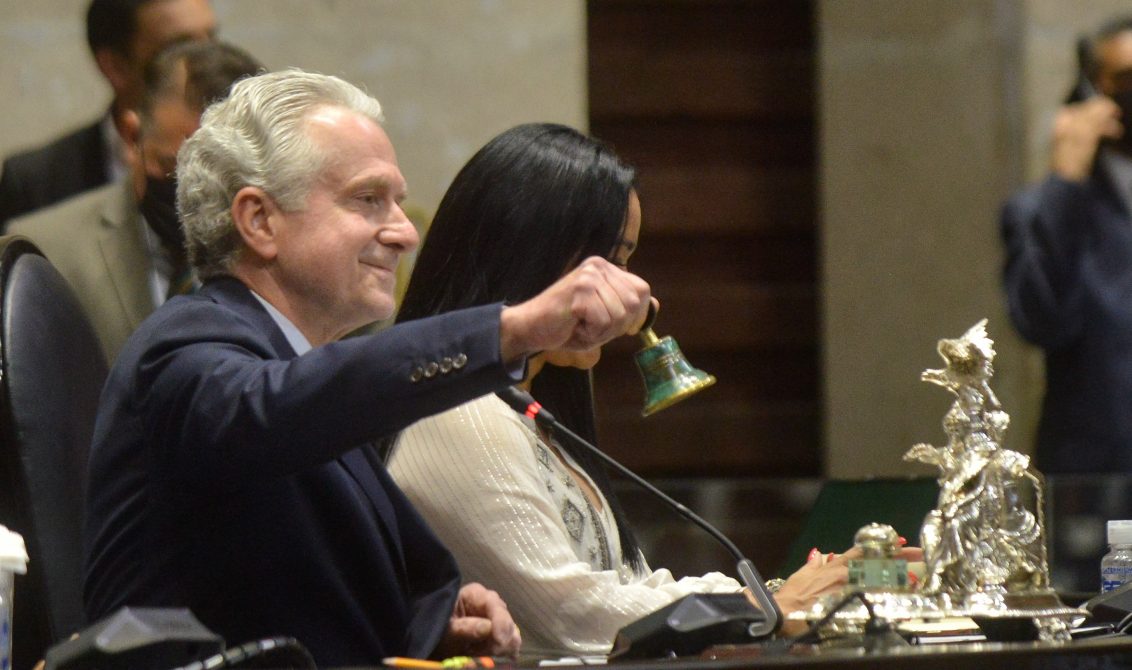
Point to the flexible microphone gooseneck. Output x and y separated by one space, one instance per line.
524 404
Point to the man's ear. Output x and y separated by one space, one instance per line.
130 131
115 67
257 218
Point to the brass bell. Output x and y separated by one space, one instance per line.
668 376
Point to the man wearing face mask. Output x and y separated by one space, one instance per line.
1068 273
123 35
121 246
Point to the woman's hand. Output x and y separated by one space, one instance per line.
822 574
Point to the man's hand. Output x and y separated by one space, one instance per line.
596 302
480 626
1077 133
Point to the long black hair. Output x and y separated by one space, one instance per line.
528 207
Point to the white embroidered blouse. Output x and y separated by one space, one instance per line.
502 499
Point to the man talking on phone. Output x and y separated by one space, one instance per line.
1068 273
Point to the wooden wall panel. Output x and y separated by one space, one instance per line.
728 199
713 101
700 58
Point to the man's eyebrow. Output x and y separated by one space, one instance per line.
379 181
384 183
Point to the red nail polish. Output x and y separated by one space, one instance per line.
902 540
814 553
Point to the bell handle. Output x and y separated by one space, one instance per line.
646 333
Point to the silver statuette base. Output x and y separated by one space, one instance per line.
1050 619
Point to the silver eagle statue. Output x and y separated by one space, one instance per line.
984 543
986 534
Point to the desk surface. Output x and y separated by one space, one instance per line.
1094 654
1100 652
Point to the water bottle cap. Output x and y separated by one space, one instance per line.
1120 532
13 552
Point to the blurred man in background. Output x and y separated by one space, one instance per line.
123 35
121 246
1068 273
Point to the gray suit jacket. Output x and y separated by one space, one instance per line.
95 240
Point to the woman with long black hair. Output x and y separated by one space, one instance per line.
534 517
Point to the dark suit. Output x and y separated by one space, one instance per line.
226 476
39 177
1068 283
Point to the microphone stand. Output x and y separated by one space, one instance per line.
524 404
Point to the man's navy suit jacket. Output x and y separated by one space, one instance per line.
70 165
1068 279
226 476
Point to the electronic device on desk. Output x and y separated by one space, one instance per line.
1113 607
690 625
1110 614
148 638
137 637
696 621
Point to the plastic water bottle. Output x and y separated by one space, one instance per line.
1116 566
13 561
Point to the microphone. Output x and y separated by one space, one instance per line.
526 405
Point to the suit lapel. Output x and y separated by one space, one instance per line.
357 463
124 256
232 293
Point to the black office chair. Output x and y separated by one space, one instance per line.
51 373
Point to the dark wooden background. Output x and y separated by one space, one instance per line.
713 102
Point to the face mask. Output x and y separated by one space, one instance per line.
1123 99
159 207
